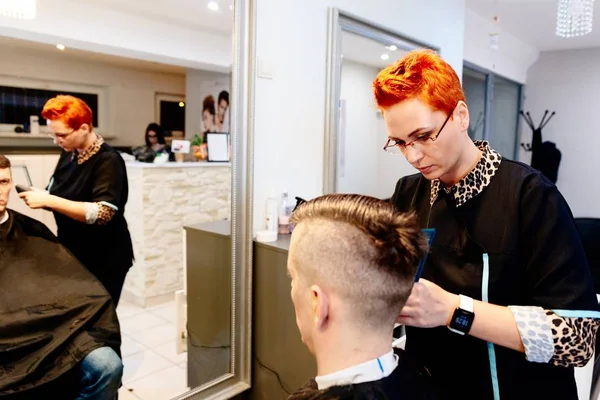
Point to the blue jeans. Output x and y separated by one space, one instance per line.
100 375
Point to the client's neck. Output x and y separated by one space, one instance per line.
348 348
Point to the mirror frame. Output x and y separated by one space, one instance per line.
339 21
243 72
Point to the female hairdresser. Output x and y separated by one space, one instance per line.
87 194
488 318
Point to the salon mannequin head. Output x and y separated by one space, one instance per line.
70 122
352 262
425 114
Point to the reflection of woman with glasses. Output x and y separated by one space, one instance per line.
87 194
155 145
506 259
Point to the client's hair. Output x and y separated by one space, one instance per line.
4 162
361 248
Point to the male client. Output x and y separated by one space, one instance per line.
352 262
59 334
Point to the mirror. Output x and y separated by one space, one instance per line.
159 78
354 128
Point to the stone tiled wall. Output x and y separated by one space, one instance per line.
161 201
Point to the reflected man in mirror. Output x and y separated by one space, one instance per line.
59 334
352 262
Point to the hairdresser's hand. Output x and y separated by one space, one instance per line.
36 198
428 306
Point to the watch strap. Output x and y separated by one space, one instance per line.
466 303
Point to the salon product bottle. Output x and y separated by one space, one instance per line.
271 213
34 124
285 212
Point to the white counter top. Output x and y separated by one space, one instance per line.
137 164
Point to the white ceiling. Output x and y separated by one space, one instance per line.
534 22
194 14
367 51
50 51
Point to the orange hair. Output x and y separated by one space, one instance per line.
72 111
421 74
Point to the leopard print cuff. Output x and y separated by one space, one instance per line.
97 213
574 339
535 332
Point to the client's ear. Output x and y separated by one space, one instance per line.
320 305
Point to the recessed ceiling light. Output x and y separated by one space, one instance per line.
213 5
181 104
61 47
392 48
385 56
231 7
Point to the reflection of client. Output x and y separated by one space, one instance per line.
352 262
59 334
208 116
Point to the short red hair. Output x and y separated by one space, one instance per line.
72 111
421 74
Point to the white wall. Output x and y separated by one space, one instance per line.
513 57
568 82
200 84
292 36
130 93
85 26
364 167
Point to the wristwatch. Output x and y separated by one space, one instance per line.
463 316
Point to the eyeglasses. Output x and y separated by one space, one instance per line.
60 135
395 146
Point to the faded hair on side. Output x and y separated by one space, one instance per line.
363 248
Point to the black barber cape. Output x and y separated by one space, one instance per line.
53 312
535 259
408 381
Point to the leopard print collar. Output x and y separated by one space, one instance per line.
86 154
477 180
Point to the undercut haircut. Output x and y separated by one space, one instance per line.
362 249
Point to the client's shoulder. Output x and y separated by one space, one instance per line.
30 226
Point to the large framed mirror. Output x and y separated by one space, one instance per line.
354 129
170 84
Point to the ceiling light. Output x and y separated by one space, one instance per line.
181 104
385 56
61 47
574 18
19 9
231 7
391 47
213 5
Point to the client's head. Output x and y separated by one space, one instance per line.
5 183
352 262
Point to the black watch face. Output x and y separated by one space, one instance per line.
462 320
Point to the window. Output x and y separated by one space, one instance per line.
494 103
17 104
170 113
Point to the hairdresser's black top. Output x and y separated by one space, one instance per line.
97 177
537 264
409 381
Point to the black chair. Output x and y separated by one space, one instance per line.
589 230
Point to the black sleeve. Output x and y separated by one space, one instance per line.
401 197
109 175
556 266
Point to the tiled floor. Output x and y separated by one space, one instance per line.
153 370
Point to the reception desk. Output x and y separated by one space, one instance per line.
162 199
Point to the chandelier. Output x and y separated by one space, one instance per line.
19 9
574 18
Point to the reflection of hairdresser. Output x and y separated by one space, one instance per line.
87 194
222 113
208 116
507 260
155 145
